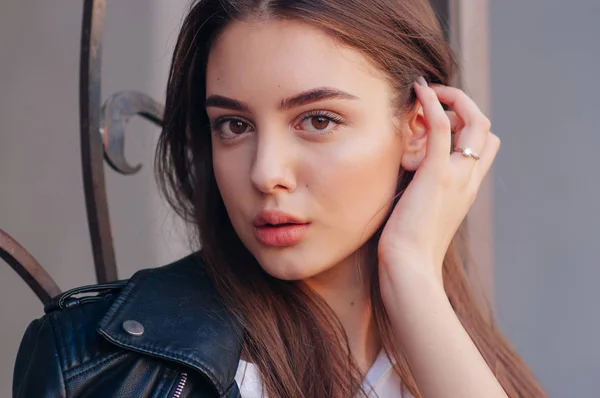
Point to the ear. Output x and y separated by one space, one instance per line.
415 140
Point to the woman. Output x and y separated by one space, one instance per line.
326 182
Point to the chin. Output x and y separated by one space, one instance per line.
288 266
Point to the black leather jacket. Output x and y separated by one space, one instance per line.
161 334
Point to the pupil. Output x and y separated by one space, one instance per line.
320 122
237 126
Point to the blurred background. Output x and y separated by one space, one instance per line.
543 88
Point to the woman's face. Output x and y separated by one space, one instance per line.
306 144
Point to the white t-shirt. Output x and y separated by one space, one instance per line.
381 380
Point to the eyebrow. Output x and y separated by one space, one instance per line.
304 98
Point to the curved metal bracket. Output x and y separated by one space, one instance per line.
28 268
115 113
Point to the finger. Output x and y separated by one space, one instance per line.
487 156
477 125
456 124
466 109
438 135
463 141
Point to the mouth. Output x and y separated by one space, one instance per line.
279 229
276 218
269 225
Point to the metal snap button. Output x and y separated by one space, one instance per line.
133 328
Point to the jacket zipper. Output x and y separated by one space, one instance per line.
179 386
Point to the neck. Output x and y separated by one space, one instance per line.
346 289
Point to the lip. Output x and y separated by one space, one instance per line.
278 229
276 217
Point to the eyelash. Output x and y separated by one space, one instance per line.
333 117
218 123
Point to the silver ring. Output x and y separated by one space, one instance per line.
467 152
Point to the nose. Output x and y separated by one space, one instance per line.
272 168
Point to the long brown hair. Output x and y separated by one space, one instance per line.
289 332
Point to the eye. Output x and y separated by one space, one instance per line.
229 128
237 126
319 122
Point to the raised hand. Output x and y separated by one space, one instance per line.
442 357
437 200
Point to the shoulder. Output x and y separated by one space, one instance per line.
160 320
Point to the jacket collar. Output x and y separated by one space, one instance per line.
184 321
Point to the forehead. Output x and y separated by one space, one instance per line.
259 56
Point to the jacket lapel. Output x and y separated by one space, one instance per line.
183 321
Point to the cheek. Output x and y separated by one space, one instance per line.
358 180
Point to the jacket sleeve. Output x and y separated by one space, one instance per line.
38 370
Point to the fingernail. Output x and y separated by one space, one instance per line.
421 80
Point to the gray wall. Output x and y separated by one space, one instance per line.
545 60
544 88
